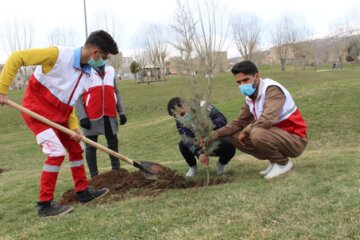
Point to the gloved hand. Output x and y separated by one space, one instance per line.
123 119
85 123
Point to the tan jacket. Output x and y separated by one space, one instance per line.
274 101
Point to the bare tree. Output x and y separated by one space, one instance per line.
340 41
210 36
155 44
204 33
200 33
345 36
340 46
303 48
322 50
16 35
63 37
106 20
140 57
352 20
183 27
283 36
246 31
303 53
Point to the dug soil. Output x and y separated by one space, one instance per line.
123 184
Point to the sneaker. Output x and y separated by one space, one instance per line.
51 209
90 194
266 171
220 168
192 171
278 170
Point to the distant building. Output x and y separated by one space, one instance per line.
125 66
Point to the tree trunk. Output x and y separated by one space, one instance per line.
340 62
282 62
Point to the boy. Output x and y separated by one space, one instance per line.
61 76
189 149
96 109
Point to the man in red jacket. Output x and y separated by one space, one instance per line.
96 109
60 77
270 126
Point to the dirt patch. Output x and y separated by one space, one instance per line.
124 184
2 170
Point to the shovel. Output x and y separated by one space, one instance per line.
150 169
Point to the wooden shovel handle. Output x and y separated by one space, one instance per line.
68 131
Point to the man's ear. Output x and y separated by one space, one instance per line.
257 80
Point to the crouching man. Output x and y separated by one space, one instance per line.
270 126
187 146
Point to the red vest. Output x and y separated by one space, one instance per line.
53 95
100 98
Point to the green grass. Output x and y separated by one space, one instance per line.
318 200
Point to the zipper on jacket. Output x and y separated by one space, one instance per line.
254 109
73 91
103 94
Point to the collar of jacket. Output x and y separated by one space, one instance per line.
77 63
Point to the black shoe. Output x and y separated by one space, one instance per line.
91 194
51 209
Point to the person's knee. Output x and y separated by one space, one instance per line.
182 146
231 150
113 140
234 139
257 136
228 147
75 153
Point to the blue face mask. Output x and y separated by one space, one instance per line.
247 89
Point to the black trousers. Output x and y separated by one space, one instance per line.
112 142
225 152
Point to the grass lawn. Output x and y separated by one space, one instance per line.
319 199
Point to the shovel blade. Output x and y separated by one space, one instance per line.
151 170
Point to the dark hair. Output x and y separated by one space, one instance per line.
173 104
104 41
245 67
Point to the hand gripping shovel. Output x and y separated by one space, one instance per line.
150 169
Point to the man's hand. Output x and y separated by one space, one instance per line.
206 141
3 99
85 123
202 142
123 119
214 135
77 136
203 158
243 137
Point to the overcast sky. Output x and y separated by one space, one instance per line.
47 15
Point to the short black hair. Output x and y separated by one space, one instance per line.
173 104
245 67
104 41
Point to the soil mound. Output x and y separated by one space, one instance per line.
123 183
